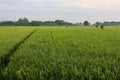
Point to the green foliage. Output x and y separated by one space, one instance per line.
102 26
22 22
86 23
25 22
74 53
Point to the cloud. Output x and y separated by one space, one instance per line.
94 4
62 4
62 9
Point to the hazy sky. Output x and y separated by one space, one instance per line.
68 10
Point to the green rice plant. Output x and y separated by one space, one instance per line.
73 53
9 37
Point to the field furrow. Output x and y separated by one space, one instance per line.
10 39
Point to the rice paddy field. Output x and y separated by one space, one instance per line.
59 53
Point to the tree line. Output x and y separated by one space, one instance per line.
106 23
26 22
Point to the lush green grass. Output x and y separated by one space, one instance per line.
9 37
73 53
62 53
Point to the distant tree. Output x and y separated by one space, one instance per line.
23 22
35 23
59 22
86 23
49 23
7 23
102 26
98 23
78 24
96 26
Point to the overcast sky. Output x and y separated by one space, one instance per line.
68 10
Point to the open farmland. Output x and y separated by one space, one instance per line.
9 38
61 53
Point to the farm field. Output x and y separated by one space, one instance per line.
9 37
61 53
